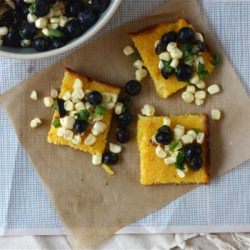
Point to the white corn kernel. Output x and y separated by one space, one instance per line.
54 93
174 63
77 95
138 64
54 20
215 114
73 113
35 122
166 148
179 131
68 105
45 31
157 43
88 106
33 95
106 97
153 140
180 173
200 59
99 126
200 137
68 135
48 101
167 120
52 25
60 132
66 96
51 13
187 139
176 53
192 133
128 50
160 64
213 89
114 148
29 1
200 84
185 168
118 108
140 74
25 43
171 46
95 132
90 140
67 122
3 31
63 21
97 118
194 79
97 159
109 105
190 89
169 160
199 36
57 12
187 97
160 152
114 97
41 22
31 18
165 56
201 94
148 110
78 84
199 102
79 106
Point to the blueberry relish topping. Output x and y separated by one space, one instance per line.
110 158
42 24
133 87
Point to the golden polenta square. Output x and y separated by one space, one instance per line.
153 169
144 42
90 85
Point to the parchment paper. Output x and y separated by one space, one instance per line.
91 204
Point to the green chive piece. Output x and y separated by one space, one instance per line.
100 111
201 71
180 160
56 123
217 60
56 33
32 8
55 105
174 145
166 67
83 114
136 55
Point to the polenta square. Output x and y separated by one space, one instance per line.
175 55
173 149
83 113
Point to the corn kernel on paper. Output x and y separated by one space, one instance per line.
91 204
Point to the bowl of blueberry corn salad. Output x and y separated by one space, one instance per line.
33 29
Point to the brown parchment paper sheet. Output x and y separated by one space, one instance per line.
91 204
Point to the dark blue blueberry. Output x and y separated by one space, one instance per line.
94 98
186 35
17 19
6 18
124 119
73 8
122 135
87 18
127 102
41 43
133 87
73 29
57 43
164 136
80 125
12 39
192 150
169 37
196 163
28 31
42 8
99 6
183 72
60 106
110 158
161 47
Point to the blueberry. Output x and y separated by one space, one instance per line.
186 35
164 137
169 37
199 46
57 43
192 150
12 39
127 102
122 135
183 72
94 98
100 6
110 158
73 8
6 18
60 106
87 18
196 163
164 128
124 119
80 125
161 47
17 18
42 8
28 31
41 43
73 29
133 87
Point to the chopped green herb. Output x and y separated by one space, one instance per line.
136 55
217 60
167 68
83 114
201 71
55 105
32 8
180 160
174 145
55 33
56 123
188 54
100 111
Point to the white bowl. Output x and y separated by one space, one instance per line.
28 53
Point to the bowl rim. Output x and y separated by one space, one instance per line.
74 44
